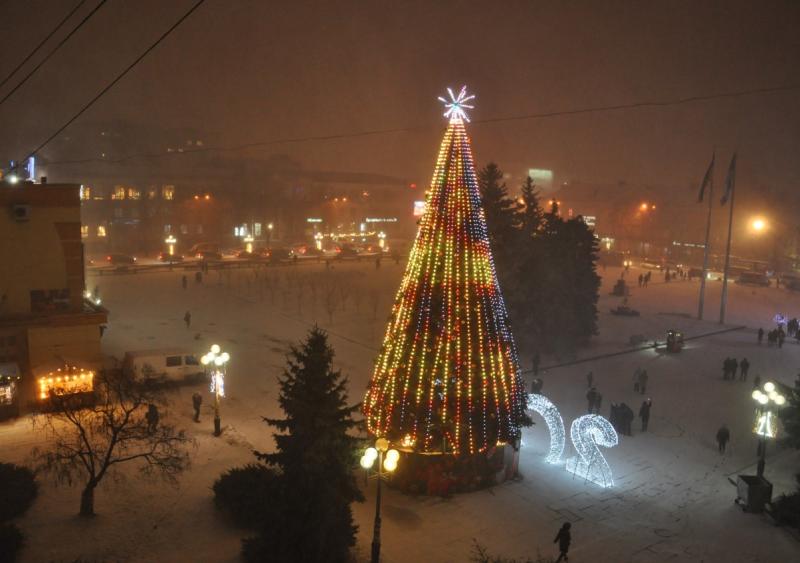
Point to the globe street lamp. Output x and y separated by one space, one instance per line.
767 401
387 460
217 359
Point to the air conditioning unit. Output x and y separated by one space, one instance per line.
21 212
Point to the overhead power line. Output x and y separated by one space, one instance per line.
51 53
374 132
119 77
42 42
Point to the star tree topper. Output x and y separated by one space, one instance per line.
457 104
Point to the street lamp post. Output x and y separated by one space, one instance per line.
217 360
269 234
387 459
765 426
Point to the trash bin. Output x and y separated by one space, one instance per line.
753 492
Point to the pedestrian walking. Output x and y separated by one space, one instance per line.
723 435
627 419
197 400
152 418
591 397
198 277
726 368
563 539
184 281
643 381
378 263
637 375
733 369
744 367
187 318
760 336
644 413
589 380
641 280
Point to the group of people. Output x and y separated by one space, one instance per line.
644 279
776 336
730 366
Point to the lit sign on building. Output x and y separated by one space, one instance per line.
419 208
541 177
590 220
313 220
381 219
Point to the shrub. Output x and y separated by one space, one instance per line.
240 493
17 490
11 540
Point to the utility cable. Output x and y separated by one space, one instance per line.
374 132
42 42
118 78
51 53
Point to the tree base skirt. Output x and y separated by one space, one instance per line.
436 474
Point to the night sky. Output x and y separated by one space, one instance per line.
245 71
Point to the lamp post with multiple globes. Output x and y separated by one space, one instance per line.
387 460
767 401
217 359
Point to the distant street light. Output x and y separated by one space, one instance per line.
217 360
389 464
269 233
758 224
767 401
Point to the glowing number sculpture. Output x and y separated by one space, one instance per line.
587 433
555 425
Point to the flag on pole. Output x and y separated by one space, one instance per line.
707 178
730 180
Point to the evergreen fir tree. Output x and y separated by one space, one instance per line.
529 215
315 456
501 217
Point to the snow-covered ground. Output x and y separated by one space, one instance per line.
671 502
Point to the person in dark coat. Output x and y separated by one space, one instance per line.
626 415
644 413
152 418
744 367
734 368
536 360
760 336
613 416
563 538
723 435
536 386
187 318
197 400
643 381
184 282
591 397
726 368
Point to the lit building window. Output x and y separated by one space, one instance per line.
119 192
84 231
168 192
86 192
134 193
101 231
184 230
257 229
151 193
68 381
167 229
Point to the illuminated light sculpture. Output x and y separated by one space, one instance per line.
447 375
587 433
555 425
216 359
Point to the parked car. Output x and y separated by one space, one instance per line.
167 257
120 259
347 252
753 278
209 255
279 254
244 255
161 366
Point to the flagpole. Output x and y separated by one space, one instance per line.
724 302
707 247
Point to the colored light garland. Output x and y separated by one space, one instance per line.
448 368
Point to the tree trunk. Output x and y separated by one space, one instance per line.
87 499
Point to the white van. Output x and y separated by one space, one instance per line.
170 364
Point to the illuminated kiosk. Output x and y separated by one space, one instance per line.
69 380
446 389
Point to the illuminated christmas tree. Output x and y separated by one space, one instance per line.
447 376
